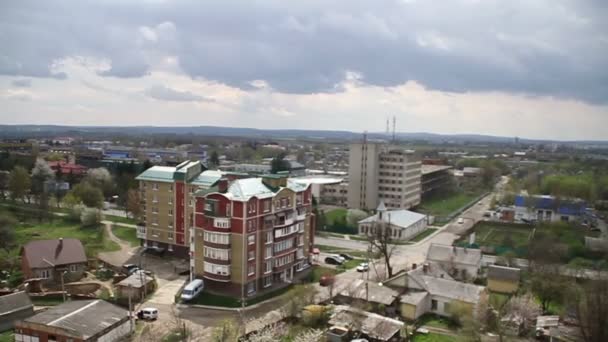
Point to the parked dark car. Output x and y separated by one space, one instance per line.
347 256
128 268
155 251
332 260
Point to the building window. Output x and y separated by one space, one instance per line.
171 188
268 267
268 238
267 281
216 269
268 253
170 212
220 238
251 287
251 207
191 202
170 235
299 199
266 206
250 255
283 245
154 186
215 253
170 247
154 199
251 239
45 274
251 269
434 305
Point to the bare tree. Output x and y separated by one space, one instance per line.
590 301
381 240
134 203
227 331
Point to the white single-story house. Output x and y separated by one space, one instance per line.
403 224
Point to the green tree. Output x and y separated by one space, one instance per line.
279 164
7 230
214 160
19 183
548 288
88 194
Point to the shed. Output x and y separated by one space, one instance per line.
13 307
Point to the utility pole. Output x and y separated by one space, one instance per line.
130 308
63 285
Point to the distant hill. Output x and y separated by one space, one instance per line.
14 131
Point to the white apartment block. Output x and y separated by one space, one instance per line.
379 172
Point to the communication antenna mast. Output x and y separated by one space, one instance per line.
394 124
388 130
364 137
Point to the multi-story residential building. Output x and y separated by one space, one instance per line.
252 234
241 235
167 196
381 172
435 178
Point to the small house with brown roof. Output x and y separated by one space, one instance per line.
49 260
503 279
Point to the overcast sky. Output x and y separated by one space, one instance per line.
528 68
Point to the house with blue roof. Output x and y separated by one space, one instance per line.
549 208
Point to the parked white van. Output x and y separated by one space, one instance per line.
193 289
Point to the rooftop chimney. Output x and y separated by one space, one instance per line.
414 266
222 185
425 268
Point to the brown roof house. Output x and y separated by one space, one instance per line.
503 279
13 307
77 321
50 260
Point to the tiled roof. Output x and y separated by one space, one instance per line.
158 174
50 253
14 302
459 255
399 218
373 325
84 317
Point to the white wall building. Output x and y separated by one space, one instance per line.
403 224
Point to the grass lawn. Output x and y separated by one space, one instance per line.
497 300
423 234
444 206
93 238
319 271
7 336
206 298
434 338
126 234
49 301
436 321
498 235
350 264
330 249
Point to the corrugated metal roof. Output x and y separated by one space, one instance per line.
207 178
562 206
399 218
157 174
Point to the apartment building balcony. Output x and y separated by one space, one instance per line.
284 221
217 261
301 216
141 231
217 277
220 245
221 222
285 252
277 269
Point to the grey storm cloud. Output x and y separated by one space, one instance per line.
545 47
165 93
22 83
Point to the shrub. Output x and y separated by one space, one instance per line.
15 279
75 213
90 217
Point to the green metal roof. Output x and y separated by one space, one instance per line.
207 178
157 174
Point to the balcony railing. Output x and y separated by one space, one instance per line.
286 222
